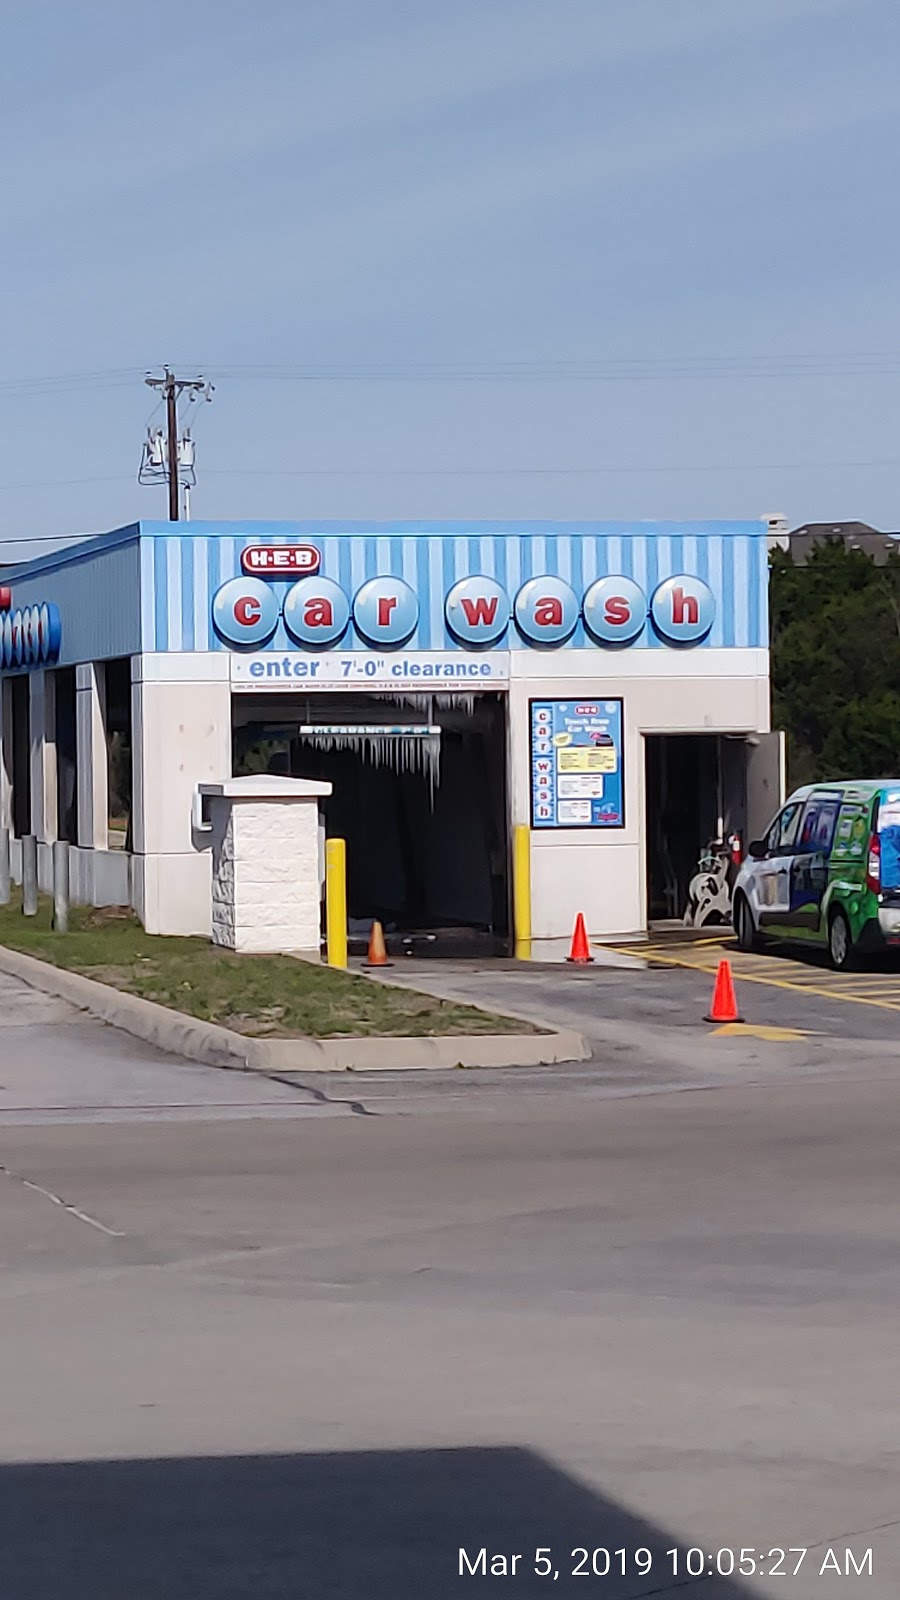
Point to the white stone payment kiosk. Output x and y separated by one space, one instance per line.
264 834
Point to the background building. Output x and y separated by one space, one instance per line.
853 535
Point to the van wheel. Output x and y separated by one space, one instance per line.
745 932
840 942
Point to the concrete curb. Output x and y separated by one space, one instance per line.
220 1047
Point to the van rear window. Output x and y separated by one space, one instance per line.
819 819
889 833
852 831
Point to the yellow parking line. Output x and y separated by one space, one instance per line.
835 982
878 992
745 964
762 1030
780 983
804 974
867 980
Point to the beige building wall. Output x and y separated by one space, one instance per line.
181 714
181 732
603 872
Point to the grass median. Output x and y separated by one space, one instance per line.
262 996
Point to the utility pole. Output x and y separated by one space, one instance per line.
171 389
171 393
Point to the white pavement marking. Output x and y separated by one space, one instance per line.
57 1200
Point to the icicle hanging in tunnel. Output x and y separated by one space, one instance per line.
403 749
462 700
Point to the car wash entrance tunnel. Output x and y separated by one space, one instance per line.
419 795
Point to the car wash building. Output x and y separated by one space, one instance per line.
605 685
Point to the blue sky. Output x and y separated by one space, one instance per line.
484 193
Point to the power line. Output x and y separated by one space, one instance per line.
69 383
630 369
539 472
67 483
622 370
484 472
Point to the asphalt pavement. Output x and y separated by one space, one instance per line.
261 1344
57 1066
646 1024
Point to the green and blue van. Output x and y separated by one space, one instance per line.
827 872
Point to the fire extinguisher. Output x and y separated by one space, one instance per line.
736 850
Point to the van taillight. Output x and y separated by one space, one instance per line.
873 865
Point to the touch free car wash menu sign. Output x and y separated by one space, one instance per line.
576 764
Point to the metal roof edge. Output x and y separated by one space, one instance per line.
81 550
336 526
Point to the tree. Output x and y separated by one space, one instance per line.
835 636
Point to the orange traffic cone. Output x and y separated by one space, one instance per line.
580 951
724 1006
377 956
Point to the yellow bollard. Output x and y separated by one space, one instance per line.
522 891
336 902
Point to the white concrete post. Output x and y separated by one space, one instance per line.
264 833
92 760
29 875
42 716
